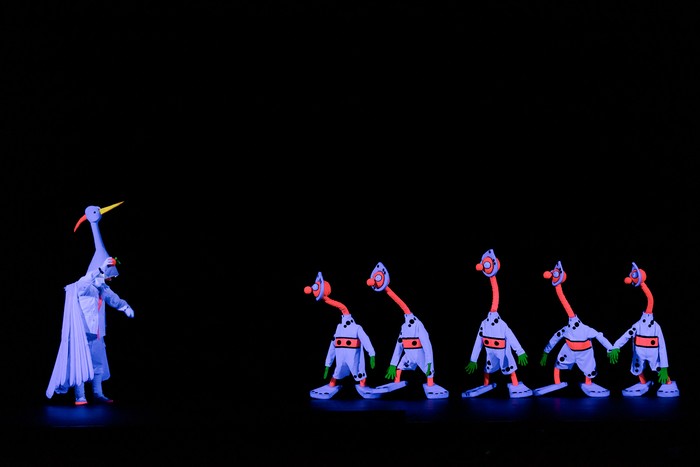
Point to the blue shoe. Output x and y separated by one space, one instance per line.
594 390
668 390
325 392
549 388
519 391
478 390
637 390
435 391
101 399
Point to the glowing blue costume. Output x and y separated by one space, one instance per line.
82 354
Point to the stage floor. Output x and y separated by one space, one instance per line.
349 430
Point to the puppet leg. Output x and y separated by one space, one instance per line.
80 394
97 394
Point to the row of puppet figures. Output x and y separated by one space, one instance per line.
504 353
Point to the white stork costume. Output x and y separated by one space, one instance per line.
81 355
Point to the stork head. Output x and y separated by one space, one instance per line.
318 289
489 264
379 280
93 214
636 276
557 274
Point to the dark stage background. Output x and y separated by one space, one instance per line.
257 144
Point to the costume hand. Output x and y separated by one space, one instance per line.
325 372
428 372
106 263
613 355
391 372
522 359
663 375
543 360
470 367
128 311
371 362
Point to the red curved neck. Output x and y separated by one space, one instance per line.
343 309
494 293
564 301
398 301
650 298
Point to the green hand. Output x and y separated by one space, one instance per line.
543 360
470 368
428 372
613 355
522 359
371 362
391 372
325 372
663 375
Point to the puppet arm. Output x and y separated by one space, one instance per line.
522 359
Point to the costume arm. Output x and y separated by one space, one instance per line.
602 339
364 340
627 335
113 300
427 345
398 350
330 356
476 349
663 356
513 342
554 340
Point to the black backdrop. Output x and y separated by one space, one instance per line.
255 145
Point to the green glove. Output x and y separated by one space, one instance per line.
613 355
391 372
325 372
428 372
663 375
470 367
522 359
543 360
371 362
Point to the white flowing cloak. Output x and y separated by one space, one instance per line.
73 363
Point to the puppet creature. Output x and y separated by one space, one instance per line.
82 354
648 346
347 349
578 347
413 348
498 340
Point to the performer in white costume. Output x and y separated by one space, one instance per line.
578 345
82 353
648 346
347 349
499 341
413 349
